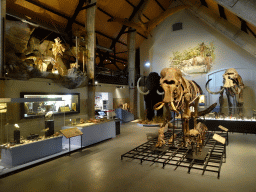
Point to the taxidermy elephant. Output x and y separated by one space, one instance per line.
153 94
179 95
233 85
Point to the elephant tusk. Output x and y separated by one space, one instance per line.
159 93
158 106
138 87
206 87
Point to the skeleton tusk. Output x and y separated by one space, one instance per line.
206 87
159 93
208 110
138 87
174 108
193 100
156 107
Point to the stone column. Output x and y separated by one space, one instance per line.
131 69
91 45
2 40
2 62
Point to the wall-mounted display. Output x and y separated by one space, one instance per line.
68 104
198 59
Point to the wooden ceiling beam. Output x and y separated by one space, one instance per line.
159 4
88 6
135 10
104 12
113 17
222 12
243 25
251 31
73 18
203 2
134 7
110 38
47 8
142 35
130 3
66 17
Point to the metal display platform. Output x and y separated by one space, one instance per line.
179 156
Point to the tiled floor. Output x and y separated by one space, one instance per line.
99 168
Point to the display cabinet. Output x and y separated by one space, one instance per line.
57 103
234 119
26 140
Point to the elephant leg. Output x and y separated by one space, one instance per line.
149 108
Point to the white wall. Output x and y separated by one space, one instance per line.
159 48
116 92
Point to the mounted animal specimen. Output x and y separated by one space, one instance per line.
233 85
152 95
179 95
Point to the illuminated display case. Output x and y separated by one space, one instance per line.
234 119
57 103
25 140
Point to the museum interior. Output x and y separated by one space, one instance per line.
128 95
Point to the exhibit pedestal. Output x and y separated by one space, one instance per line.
24 153
124 115
92 134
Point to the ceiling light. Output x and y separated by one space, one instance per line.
147 64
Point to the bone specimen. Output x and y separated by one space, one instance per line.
233 85
180 95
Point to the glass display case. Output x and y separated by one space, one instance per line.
57 103
25 140
230 114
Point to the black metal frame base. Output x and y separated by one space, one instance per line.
178 156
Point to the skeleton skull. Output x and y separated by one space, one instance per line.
171 83
228 77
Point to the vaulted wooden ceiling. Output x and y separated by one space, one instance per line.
66 17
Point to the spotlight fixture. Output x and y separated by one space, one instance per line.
147 64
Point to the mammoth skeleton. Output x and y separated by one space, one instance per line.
233 86
179 95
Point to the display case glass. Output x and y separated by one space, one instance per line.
57 103
230 114
26 140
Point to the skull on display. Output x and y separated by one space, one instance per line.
171 83
228 77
